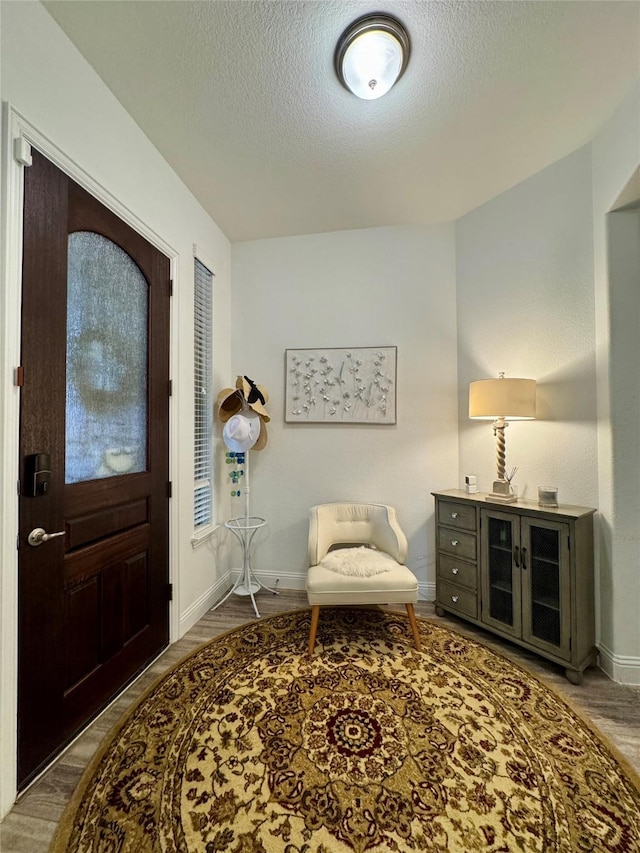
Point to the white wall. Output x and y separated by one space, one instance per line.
524 265
384 286
616 158
49 83
547 288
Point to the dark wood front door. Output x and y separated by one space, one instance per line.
93 598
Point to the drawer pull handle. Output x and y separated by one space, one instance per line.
455 571
454 515
454 542
454 598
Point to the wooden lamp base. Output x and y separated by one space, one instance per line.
502 493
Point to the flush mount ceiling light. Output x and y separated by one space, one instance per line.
371 55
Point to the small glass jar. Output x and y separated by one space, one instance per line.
547 496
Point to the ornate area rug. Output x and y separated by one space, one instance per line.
248 746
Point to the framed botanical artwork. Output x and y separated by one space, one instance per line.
350 385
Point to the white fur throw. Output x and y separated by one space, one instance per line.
359 562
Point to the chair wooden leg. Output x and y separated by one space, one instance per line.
315 614
414 625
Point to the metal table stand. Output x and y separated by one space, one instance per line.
244 529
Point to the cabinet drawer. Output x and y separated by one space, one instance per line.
458 599
457 515
458 572
457 543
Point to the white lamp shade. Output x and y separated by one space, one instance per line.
372 64
511 399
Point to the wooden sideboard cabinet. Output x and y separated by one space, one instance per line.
520 570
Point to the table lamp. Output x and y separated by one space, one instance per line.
501 400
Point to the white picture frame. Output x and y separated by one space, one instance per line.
347 385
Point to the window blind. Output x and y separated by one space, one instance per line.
203 399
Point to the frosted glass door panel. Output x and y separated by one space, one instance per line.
106 408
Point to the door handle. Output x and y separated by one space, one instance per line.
523 561
516 557
39 535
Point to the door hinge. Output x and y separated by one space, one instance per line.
19 377
18 542
170 591
169 489
170 287
171 387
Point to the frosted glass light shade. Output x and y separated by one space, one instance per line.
511 399
371 64
371 55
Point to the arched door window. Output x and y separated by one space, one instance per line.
106 398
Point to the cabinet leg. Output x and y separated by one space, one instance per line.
575 676
439 611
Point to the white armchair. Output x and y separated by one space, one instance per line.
375 575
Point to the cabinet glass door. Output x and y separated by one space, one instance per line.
500 578
545 578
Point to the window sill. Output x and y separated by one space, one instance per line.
201 536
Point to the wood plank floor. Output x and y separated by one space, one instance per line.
29 827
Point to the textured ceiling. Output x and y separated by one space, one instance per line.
241 98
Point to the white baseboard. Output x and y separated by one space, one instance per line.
427 591
278 580
205 602
281 580
620 668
